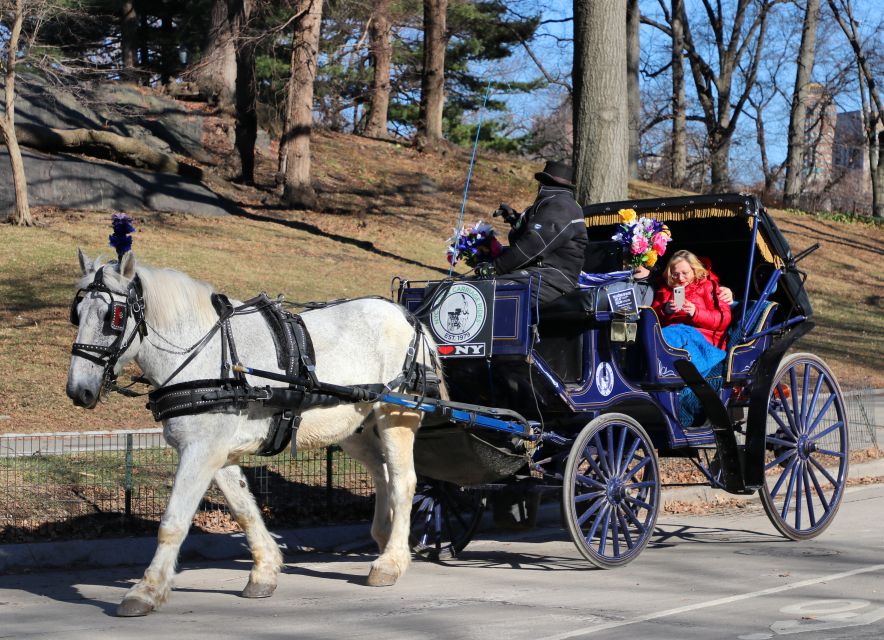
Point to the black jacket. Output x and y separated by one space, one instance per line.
549 239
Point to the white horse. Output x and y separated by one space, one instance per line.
364 341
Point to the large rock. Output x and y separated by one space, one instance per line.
73 183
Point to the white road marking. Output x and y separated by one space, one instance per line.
714 603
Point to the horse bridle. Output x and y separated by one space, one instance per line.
117 315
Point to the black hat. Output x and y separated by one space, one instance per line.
556 174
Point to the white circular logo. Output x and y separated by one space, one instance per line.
604 378
460 315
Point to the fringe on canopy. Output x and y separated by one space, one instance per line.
683 213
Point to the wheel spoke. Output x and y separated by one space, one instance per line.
641 465
629 513
822 412
783 475
583 497
823 471
787 429
586 480
605 470
624 527
788 499
623 460
819 490
809 496
609 451
598 520
636 485
799 482
829 452
804 395
780 442
589 511
780 458
816 394
615 532
640 503
603 537
827 431
784 403
799 423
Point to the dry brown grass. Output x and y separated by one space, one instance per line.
387 210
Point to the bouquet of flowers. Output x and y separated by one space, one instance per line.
645 237
475 244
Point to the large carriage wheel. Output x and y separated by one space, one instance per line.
807 449
444 518
611 490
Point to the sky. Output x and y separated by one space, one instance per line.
553 47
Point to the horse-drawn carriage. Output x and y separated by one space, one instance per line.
595 389
581 395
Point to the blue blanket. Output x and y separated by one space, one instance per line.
708 360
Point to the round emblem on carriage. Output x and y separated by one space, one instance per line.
460 315
604 378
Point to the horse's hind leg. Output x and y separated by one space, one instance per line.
195 469
396 429
265 551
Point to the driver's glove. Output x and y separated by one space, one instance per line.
485 270
509 215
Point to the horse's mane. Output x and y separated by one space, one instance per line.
170 295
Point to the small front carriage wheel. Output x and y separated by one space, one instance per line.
611 491
444 518
806 452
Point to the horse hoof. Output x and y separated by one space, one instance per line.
256 590
381 578
133 607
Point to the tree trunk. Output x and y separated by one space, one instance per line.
429 126
719 149
103 144
382 56
797 125
601 130
876 166
22 214
129 38
246 129
215 73
762 148
679 118
297 190
633 53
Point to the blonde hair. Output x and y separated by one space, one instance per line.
700 271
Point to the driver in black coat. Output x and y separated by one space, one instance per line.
548 239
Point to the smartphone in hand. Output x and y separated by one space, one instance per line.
678 297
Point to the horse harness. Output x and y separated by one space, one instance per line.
231 391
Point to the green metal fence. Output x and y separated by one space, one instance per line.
96 483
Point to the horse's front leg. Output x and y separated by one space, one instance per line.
397 428
196 466
265 551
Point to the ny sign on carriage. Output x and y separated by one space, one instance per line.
461 318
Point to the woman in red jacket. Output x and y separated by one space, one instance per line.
702 308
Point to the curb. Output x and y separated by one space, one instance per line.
20 558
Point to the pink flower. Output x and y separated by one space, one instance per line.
639 245
660 242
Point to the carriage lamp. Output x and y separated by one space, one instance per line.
623 331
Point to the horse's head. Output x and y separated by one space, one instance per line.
108 311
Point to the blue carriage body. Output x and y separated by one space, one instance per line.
596 393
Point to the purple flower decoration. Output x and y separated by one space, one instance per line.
120 238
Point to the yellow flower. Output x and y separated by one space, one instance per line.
651 258
627 215
667 231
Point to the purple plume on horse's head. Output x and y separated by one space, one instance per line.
120 238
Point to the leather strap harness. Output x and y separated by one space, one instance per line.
295 355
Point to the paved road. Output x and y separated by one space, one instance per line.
725 575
